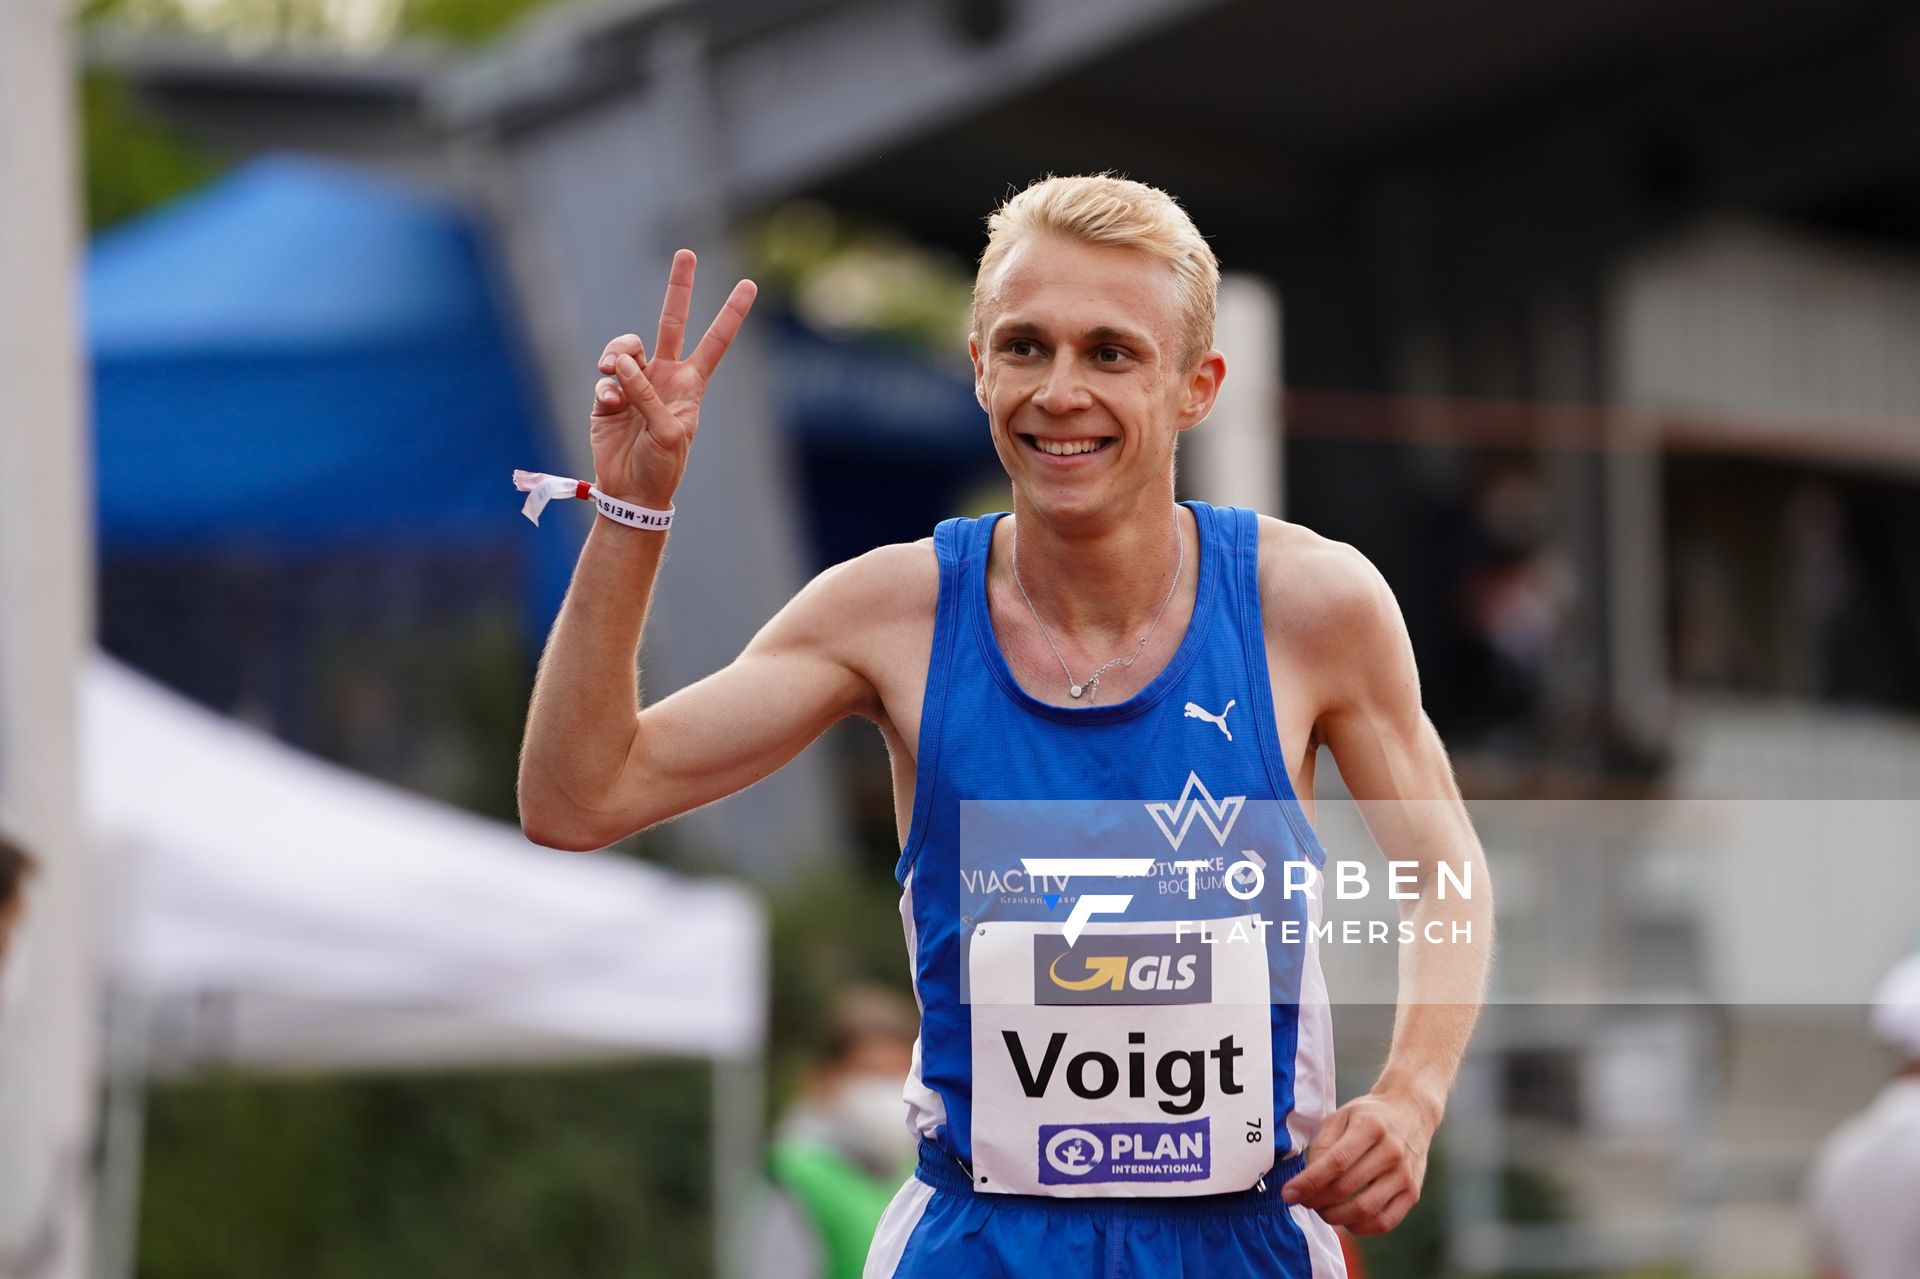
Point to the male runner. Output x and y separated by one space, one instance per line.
1143 1104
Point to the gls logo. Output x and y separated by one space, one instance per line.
1124 969
1174 821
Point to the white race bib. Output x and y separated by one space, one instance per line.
1136 1062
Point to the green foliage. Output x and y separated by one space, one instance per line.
849 277
464 22
434 706
363 26
828 934
581 1173
131 163
169 15
1417 1247
259 21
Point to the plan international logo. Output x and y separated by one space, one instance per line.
1087 1153
1174 821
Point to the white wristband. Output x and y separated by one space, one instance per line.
632 516
541 489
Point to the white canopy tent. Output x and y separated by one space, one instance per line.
263 910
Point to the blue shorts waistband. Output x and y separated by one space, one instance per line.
943 1171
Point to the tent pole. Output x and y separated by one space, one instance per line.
123 1135
737 1139
47 1048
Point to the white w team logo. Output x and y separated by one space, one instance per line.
1176 819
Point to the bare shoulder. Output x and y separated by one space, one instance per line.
895 579
1317 591
874 613
900 579
1333 624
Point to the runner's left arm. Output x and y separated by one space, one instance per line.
1369 1159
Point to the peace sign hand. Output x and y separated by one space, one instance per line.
646 412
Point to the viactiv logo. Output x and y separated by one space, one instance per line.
1088 1153
1125 968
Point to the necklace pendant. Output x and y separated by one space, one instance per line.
1076 689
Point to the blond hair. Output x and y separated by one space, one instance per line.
1110 211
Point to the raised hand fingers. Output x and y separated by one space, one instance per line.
673 312
625 344
640 393
720 334
607 395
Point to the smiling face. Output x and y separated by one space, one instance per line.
1082 365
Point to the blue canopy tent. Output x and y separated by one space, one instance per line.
308 401
303 363
301 358
885 439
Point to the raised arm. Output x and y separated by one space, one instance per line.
1369 1159
594 766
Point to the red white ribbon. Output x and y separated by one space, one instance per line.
541 489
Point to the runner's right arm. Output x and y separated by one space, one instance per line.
594 766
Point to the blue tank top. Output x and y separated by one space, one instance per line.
1114 1000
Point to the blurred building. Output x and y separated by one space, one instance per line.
1596 338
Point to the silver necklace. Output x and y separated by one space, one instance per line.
1074 688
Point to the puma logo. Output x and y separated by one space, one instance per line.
1219 721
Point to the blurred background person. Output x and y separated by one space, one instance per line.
15 867
1509 592
1864 1194
843 1147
